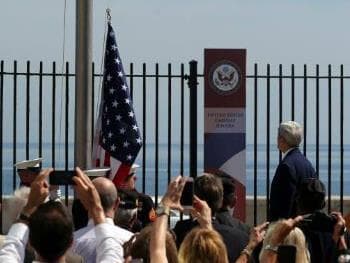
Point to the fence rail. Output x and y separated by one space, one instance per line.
37 119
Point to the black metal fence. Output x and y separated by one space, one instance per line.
37 119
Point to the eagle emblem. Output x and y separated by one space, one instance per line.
225 77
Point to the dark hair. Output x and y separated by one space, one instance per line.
50 230
311 196
208 187
229 187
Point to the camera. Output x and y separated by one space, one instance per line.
61 177
187 194
318 221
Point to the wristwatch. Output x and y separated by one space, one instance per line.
162 210
271 248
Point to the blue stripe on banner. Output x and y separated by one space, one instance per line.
219 147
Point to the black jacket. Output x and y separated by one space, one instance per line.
289 174
234 239
224 217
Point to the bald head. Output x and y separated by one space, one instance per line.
107 191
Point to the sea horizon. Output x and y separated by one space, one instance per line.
8 170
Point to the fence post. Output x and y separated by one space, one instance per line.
193 84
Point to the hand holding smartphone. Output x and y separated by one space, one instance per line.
61 177
187 194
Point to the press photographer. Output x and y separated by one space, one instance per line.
324 233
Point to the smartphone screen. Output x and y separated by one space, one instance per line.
286 253
187 194
61 177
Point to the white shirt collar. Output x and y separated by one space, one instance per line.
108 221
286 152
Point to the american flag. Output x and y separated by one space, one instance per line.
117 136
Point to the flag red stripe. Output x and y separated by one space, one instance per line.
122 173
107 161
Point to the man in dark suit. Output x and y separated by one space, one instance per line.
209 188
291 171
225 214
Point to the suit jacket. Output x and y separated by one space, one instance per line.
289 174
224 217
235 240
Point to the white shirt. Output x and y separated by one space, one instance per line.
286 152
86 241
13 249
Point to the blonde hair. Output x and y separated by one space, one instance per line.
295 238
202 245
139 244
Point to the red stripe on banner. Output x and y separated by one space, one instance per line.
107 161
122 173
239 211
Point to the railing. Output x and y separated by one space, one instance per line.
37 119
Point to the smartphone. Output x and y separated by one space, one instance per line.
187 194
61 177
286 253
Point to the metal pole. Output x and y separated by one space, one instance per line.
192 84
83 83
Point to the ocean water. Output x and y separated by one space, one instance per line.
164 174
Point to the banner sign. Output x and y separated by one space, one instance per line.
225 119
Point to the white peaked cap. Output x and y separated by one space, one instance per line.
28 163
133 168
97 172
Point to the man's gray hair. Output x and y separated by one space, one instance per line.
292 132
123 217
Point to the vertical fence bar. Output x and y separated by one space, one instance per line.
329 137
27 108
14 157
41 109
280 101
182 122
1 135
156 163
144 164
182 118
92 100
255 143
268 140
66 146
305 108
293 92
131 78
169 122
192 84
341 139
318 120
53 115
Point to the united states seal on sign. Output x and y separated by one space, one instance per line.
224 77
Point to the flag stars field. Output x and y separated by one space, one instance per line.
118 147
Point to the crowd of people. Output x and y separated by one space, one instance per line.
119 224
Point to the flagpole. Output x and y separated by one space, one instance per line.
83 84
